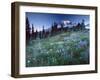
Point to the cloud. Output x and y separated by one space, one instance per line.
66 21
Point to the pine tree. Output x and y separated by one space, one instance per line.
83 24
62 26
43 32
55 27
52 30
36 34
27 29
33 31
78 27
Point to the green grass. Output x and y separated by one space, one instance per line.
67 48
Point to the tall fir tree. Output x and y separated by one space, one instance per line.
83 24
27 29
43 32
33 31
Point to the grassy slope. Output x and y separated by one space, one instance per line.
64 49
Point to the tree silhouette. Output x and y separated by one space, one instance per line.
54 30
62 26
27 29
33 34
43 32
83 24
78 27
36 34
55 27
40 34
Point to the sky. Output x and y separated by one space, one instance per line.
47 19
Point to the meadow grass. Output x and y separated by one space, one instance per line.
66 48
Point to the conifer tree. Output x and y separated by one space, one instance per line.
33 31
83 24
43 32
27 29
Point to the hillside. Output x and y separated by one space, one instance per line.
67 48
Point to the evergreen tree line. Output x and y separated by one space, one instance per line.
31 34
